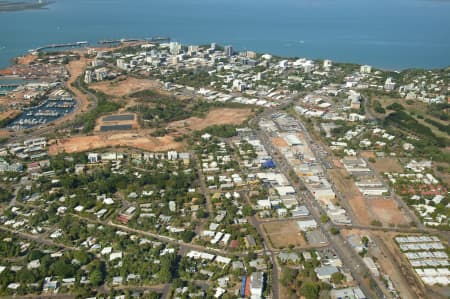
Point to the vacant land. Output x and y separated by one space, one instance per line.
279 142
26 59
9 114
346 186
394 263
121 87
142 138
88 143
368 154
221 116
76 68
283 234
387 165
387 212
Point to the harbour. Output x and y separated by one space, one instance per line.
49 110
326 30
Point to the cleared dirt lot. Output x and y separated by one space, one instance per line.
351 193
283 234
219 116
279 142
120 88
4 133
27 59
386 211
394 263
136 140
387 165
9 114
142 139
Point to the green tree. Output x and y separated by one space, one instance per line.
247 210
337 278
334 230
97 272
310 290
5 195
324 218
187 236
288 276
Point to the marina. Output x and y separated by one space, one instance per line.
50 110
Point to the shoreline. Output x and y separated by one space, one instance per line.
97 45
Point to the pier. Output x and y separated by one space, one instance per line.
9 86
159 39
65 45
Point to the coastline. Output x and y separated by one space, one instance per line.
26 57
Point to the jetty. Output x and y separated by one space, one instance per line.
158 39
64 45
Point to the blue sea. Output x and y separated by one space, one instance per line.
391 34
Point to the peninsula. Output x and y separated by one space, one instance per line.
153 169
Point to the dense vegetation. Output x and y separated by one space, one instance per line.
4 122
191 78
395 107
103 106
377 107
157 109
406 122
440 111
440 126
5 195
224 131
303 282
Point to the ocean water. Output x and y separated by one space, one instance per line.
391 34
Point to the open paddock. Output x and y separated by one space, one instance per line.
387 212
220 116
387 165
347 187
283 234
135 140
122 87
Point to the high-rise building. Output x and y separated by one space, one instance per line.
366 69
228 51
88 77
174 48
389 84
192 49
